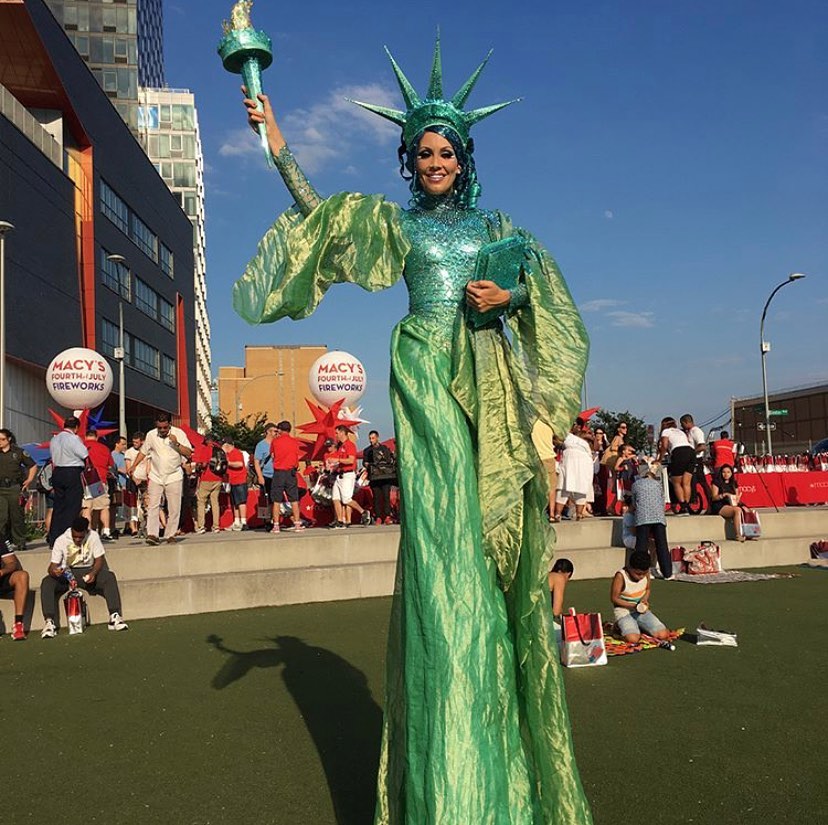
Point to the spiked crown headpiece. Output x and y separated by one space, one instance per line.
434 110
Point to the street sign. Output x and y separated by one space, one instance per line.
760 409
761 425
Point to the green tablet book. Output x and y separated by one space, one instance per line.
500 262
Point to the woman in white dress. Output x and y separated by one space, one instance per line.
576 470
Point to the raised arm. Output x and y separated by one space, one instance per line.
300 188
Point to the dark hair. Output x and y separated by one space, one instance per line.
139 434
9 434
270 426
163 418
343 428
228 440
284 426
723 434
466 188
80 524
91 431
563 566
373 432
70 423
687 419
668 422
725 486
639 560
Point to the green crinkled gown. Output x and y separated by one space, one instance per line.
476 727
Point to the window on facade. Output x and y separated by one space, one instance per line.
190 204
83 18
187 118
168 370
148 119
120 51
166 114
145 358
110 337
165 259
175 144
82 44
108 20
163 146
127 83
184 174
146 299
166 313
95 50
115 276
188 146
167 171
152 141
145 239
70 18
110 82
114 208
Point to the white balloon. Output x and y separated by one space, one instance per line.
79 378
336 375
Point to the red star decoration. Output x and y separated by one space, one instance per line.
324 425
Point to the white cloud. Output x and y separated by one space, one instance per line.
621 318
600 304
325 133
241 143
609 214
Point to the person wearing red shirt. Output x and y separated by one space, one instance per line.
284 487
209 487
237 476
723 451
343 461
97 509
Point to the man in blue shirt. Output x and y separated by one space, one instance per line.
116 497
263 465
68 458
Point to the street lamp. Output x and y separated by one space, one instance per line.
5 227
120 352
765 349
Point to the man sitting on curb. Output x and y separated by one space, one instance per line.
80 551
14 581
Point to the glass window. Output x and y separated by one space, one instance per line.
190 204
175 144
83 18
167 171
165 259
120 50
95 50
108 20
114 208
144 238
110 82
166 313
145 358
122 20
70 18
163 146
184 174
168 370
110 336
152 142
115 276
166 115
188 146
146 299
82 44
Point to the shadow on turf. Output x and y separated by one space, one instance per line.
333 698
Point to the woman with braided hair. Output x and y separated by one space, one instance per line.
476 725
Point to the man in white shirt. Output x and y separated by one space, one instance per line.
69 455
168 448
78 554
135 485
694 434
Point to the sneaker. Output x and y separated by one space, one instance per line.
107 537
365 518
172 540
49 630
340 525
333 525
201 531
117 623
295 528
217 530
236 528
245 528
153 540
275 529
18 633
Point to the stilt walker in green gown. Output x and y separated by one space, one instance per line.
476 726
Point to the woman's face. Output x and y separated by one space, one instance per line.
437 166
727 473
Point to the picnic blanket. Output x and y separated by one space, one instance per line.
728 576
618 647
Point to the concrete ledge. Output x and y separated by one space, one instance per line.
231 571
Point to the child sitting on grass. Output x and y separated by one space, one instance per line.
630 594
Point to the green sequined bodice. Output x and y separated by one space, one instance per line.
444 245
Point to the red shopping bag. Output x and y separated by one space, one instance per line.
582 640
706 558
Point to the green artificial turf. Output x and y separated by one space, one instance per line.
273 715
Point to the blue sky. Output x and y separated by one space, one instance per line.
671 156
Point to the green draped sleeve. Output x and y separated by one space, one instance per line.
348 238
504 389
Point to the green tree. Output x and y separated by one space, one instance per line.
636 428
246 434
